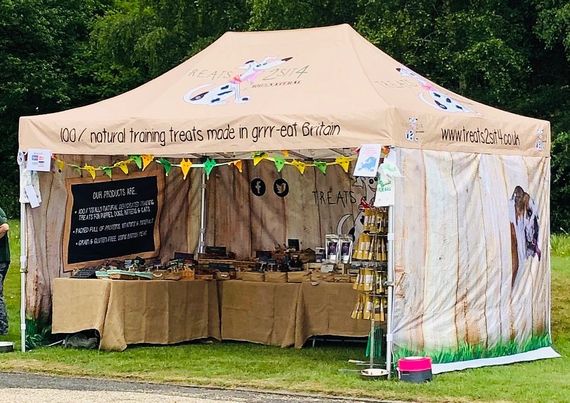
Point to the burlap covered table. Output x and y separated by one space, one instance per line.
324 310
287 314
131 311
258 312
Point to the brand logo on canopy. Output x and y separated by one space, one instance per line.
433 96
232 88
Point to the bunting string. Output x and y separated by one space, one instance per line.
185 165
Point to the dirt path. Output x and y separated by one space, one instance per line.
23 387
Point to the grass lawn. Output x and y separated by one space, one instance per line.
307 370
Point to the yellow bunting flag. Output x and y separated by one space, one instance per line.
285 153
90 169
257 158
59 164
239 165
146 159
185 166
344 162
124 167
300 166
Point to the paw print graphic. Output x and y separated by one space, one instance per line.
539 144
412 127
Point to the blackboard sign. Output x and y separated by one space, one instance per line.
108 219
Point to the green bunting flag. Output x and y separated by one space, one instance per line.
279 163
108 171
167 165
322 166
208 166
137 160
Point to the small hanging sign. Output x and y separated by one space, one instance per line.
368 160
384 192
39 160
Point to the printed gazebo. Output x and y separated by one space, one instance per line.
470 265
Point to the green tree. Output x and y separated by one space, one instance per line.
475 47
61 54
553 23
287 14
560 195
512 55
40 41
144 38
551 96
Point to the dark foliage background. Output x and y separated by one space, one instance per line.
61 54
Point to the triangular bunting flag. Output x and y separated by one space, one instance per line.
300 166
322 166
167 165
108 171
124 166
208 166
90 169
258 157
279 163
344 162
59 164
146 159
137 160
239 165
285 153
185 166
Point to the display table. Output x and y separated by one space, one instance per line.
136 311
287 314
166 312
324 310
259 312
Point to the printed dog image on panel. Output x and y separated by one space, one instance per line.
523 214
231 88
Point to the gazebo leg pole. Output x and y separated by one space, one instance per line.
390 281
202 244
23 261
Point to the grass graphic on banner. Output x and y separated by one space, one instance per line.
466 352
